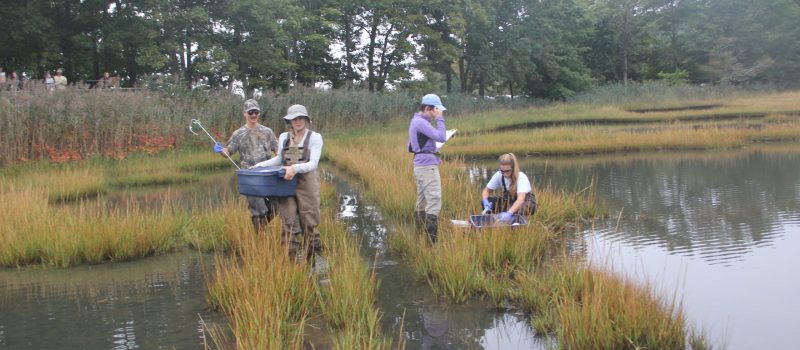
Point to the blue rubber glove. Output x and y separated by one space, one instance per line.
505 216
218 147
486 204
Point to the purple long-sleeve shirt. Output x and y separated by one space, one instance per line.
420 129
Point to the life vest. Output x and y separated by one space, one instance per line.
422 139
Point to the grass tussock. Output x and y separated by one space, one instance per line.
347 300
35 232
266 299
591 308
271 301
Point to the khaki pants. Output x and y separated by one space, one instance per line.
429 189
300 213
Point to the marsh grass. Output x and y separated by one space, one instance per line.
271 301
590 307
576 140
266 299
348 298
36 232
583 306
751 106
56 215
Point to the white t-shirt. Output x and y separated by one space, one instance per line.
315 151
523 184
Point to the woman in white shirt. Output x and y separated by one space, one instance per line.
515 191
299 150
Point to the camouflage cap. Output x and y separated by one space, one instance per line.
251 105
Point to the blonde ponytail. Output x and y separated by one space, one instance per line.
509 159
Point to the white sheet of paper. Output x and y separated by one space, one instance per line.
449 134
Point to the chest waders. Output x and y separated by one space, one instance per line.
506 200
300 213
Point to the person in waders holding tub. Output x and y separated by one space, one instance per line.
299 151
422 138
516 196
255 143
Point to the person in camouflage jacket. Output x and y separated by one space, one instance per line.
255 143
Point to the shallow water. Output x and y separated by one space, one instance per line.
721 229
409 305
154 303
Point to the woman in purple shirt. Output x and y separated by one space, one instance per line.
422 138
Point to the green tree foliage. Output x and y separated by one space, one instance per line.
547 49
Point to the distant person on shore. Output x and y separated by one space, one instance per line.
299 150
255 143
61 81
106 82
515 191
14 82
49 81
2 79
422 138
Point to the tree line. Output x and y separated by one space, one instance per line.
538 48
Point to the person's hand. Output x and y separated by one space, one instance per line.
218 148
289 172
505 216
487 206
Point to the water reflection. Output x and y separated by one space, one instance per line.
719 209
721 230
152 303
409 305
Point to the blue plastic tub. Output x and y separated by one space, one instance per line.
488 220
266 182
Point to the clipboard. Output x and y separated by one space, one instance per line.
448 135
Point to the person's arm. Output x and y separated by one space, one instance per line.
438 134
232 147
486 193
518 203
491 186
523 187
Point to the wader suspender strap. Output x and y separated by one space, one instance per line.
306 142
505 190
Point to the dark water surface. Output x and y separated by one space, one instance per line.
154 303
723 230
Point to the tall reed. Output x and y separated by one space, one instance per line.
75 124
